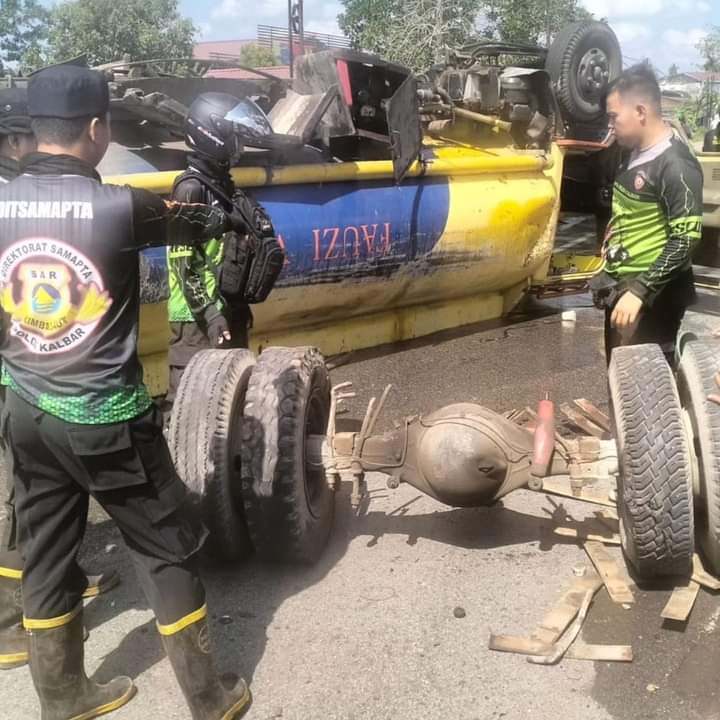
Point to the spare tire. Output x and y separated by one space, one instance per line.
582 61
655 499
205 436
288 504
699 363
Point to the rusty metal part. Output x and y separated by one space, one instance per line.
490 120
462 455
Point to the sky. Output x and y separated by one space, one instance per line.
666 31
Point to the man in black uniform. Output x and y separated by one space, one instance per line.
16 141
78 418
648 283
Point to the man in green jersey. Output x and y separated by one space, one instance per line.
656 220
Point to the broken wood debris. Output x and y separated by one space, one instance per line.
594 413
555 637
585 537
580 421
609 571
702 576
681 602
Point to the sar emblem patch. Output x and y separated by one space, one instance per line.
53 294
639 182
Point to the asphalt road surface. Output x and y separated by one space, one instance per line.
371 632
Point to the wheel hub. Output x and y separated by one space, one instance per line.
593 72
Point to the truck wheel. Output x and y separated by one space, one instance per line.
699 362
204 438
582 61
288 504
655 500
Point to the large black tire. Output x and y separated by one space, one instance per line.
205 437
582 61
699 362
655 500
288 504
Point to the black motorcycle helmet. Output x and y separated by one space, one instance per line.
219 125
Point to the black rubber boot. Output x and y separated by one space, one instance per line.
10 600
57 667
14 651
207 698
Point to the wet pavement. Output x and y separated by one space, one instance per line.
372 631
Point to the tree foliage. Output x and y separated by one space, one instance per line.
23 28
709 48
531 21
410 32
416 32
258 56
673 71
105 30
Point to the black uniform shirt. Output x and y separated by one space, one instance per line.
70 285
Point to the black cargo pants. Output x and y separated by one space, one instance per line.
127 468
660 323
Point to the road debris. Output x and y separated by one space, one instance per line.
702 576
609 570
585 537
681 602
459 612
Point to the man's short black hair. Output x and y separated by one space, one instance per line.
59 131
639 80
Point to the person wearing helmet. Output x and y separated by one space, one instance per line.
202 311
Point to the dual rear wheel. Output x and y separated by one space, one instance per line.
239 437
668 436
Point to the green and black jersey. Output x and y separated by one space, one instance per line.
656 217
193 271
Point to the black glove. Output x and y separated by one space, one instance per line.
218 329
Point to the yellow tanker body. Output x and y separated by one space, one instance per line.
370 261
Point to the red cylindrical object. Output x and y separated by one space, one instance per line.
544 442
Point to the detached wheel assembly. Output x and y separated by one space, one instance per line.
655 494
699 363
288 504
582 61
205 437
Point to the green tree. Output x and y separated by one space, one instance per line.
411 32
709 48
258 56
23 28
673 71
530 21
105 30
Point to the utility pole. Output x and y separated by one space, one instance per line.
296 23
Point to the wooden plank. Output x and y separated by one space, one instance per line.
577 651
579 420
617 588
517 644
554 486
609 519
600 653
585 537
594 413
564 643
557 620
702 576
681 602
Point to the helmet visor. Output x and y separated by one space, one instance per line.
251 119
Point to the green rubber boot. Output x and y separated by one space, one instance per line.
207 698
57 666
